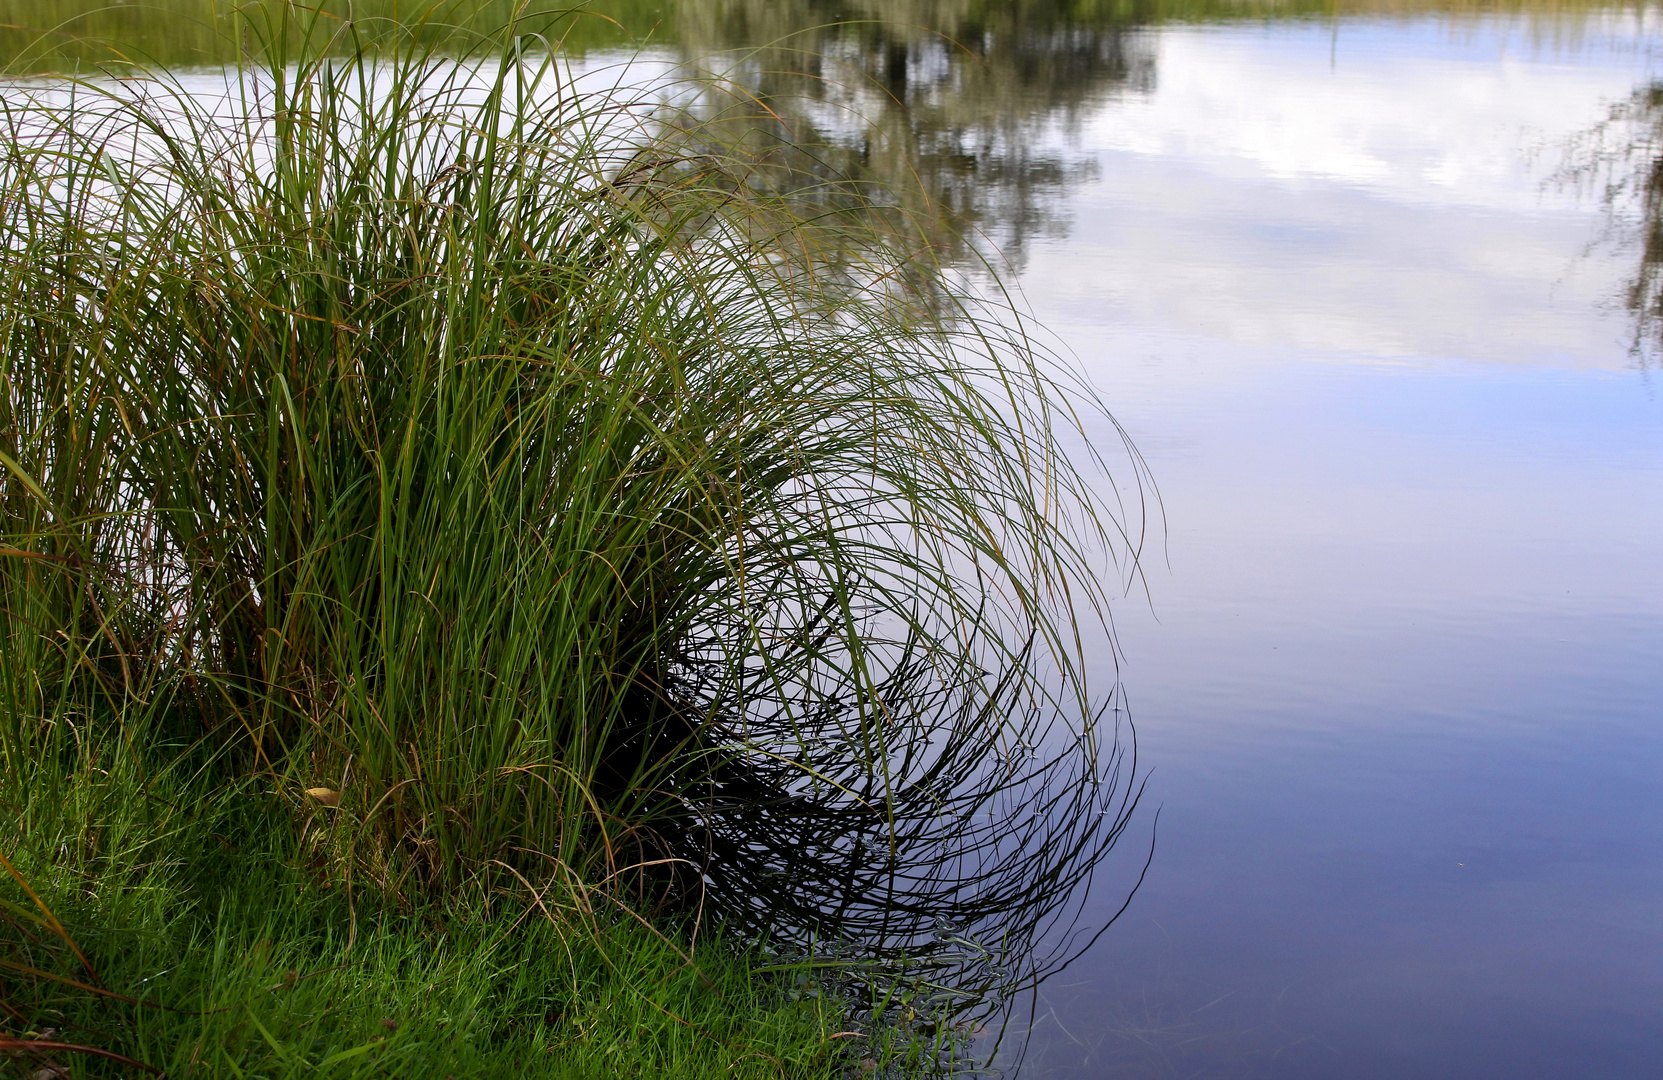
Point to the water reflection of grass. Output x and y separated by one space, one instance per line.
458 531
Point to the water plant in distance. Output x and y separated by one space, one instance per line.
489 474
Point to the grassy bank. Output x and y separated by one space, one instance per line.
472 543
167 927
82 35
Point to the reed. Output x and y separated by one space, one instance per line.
523 485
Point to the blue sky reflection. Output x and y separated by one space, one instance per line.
1400 684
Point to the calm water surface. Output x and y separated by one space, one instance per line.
1400 679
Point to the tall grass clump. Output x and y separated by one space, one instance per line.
501 477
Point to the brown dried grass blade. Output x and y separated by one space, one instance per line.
100 991
52 922
36 1046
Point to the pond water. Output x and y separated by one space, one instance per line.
1373 295
1400 675
1376 292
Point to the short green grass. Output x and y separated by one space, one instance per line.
175 927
